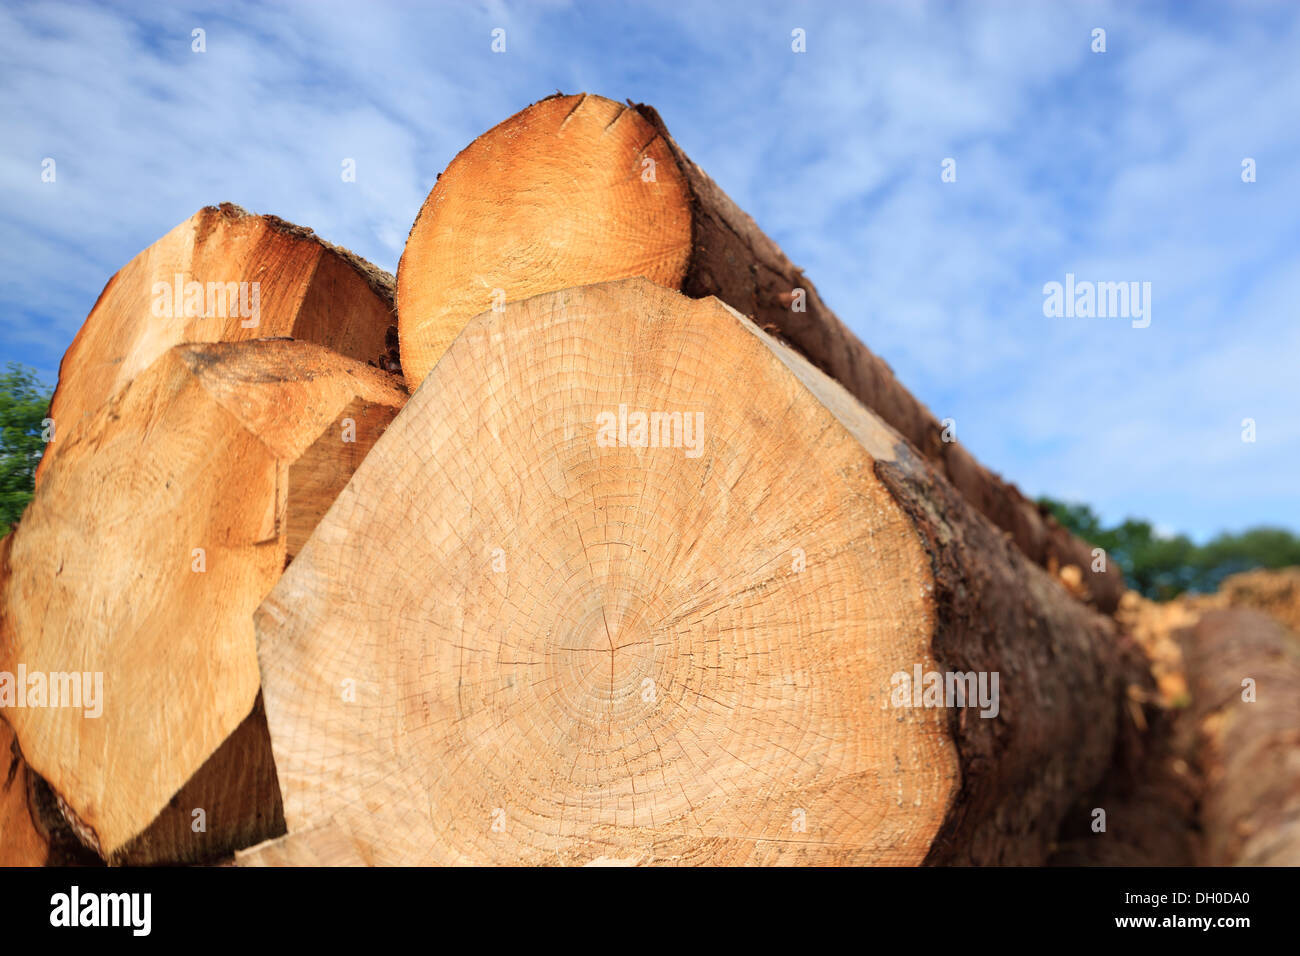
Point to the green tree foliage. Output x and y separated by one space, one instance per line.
24 404
1164 567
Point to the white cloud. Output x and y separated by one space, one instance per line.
1116 166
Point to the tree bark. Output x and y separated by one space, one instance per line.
306 288
1246 748
165 520
530 632
580 189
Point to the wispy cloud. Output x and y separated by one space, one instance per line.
1115 166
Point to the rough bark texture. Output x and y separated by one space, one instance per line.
1248 752
1149 798
559 197
1149 794
308 288
1065 674
167 518
522 691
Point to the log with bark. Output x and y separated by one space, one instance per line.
580 189
628 579
1243 670
223 275
134 574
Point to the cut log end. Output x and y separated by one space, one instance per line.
223 275
135 573
575 188
579 189
561 639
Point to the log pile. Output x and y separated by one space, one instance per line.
581 189
165 521
186 477
680 654
633 554
223 275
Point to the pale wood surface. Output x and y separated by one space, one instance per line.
214 447
500 716
519 698
560 195
307 289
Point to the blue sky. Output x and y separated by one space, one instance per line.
1116 166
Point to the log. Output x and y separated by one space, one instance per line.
526 633
1248 751
579 189
168 517
32 830
287 281
1276 592
21 842
1148 796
